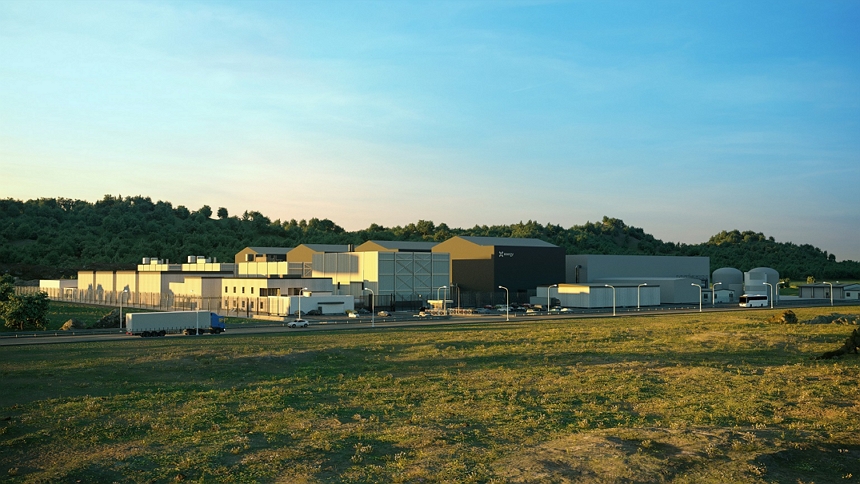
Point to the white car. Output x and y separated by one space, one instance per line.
299 323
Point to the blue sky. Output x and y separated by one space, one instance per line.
683 118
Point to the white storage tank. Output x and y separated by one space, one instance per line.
755 279
729 279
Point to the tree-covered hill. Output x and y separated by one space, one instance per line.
53 237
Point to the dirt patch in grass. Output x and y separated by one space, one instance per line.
678 455
836 318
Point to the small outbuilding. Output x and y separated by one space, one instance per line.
823 291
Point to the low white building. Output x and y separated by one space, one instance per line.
601 295
281 296
55 288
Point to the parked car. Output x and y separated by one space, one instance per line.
384 314
352 314
314 312
363 311
299 323
481 311
533 311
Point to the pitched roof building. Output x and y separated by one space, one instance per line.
485 263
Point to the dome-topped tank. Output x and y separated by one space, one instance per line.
757 280
728 276
728 284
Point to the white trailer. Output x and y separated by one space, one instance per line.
162 323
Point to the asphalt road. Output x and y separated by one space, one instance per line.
399 320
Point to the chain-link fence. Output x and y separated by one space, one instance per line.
248 307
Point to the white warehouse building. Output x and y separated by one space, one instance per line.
390 275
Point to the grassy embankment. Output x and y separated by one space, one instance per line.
713 397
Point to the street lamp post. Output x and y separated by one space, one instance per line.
372 307
714 293
637 293
770 289
124 291
831 291
301 295
548 301
507 303
613 297
776 296
700 295
437 295
196 315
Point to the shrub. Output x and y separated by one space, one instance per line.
73 324
787 317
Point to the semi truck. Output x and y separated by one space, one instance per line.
160 324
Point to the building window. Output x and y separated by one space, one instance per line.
243 304
243 290
234 289
252 290
225 290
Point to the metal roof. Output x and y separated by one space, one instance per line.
327 247
507 241
271 250
404 244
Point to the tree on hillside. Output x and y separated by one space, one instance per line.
7 287
25 311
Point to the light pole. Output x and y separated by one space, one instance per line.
714 293
507 303
831 291
613 297
770 288
124 291
372 307
700 295
637 293
196 315
777 289
548 301
437 295
301 295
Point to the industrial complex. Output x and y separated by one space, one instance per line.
461 272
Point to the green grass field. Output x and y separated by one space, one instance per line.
698 398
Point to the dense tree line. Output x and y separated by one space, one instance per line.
51 237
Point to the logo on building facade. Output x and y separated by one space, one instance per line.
505 254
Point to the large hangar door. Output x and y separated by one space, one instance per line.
423 273
404 269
